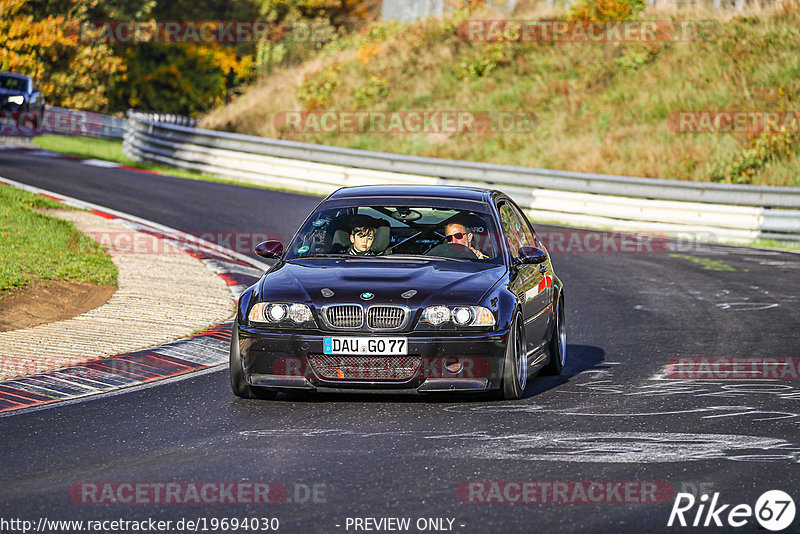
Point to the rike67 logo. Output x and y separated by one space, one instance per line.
774 510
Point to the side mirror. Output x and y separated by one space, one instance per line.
269 249
530 256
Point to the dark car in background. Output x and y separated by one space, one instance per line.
455 293
21 98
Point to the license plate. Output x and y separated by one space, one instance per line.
373 346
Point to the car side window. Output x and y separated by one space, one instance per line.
528 236
513 229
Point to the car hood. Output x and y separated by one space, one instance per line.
10 92
411 283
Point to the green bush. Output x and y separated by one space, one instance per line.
634 59
740 167
490 57
317 90
377 87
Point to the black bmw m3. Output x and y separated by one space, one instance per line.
415 289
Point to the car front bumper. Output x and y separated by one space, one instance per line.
435 362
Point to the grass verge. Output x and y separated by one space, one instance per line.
85 147
606 107
36 246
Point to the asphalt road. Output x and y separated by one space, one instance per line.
613 419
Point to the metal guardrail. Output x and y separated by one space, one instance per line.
64 121
166 118
712 211
83 123
60 121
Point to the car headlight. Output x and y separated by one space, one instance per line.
458 315
17 99
436 314
278 312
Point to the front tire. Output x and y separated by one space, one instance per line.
515 367
239 385
558 343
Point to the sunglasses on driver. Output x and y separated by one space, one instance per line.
458 236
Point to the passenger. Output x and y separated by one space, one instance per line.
457 233
361 238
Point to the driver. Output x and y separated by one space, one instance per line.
457 233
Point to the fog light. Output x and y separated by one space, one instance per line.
453 366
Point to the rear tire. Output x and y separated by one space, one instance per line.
558 343
239 385
515 367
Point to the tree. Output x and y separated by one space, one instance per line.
46 46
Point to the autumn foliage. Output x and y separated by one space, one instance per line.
41 38
71 74
606 10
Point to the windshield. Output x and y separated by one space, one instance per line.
13 83
376 231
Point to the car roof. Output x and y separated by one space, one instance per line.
15 75
433 191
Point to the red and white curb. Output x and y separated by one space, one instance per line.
203 351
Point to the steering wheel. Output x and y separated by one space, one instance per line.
452 250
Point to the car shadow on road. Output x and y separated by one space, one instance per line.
579 358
